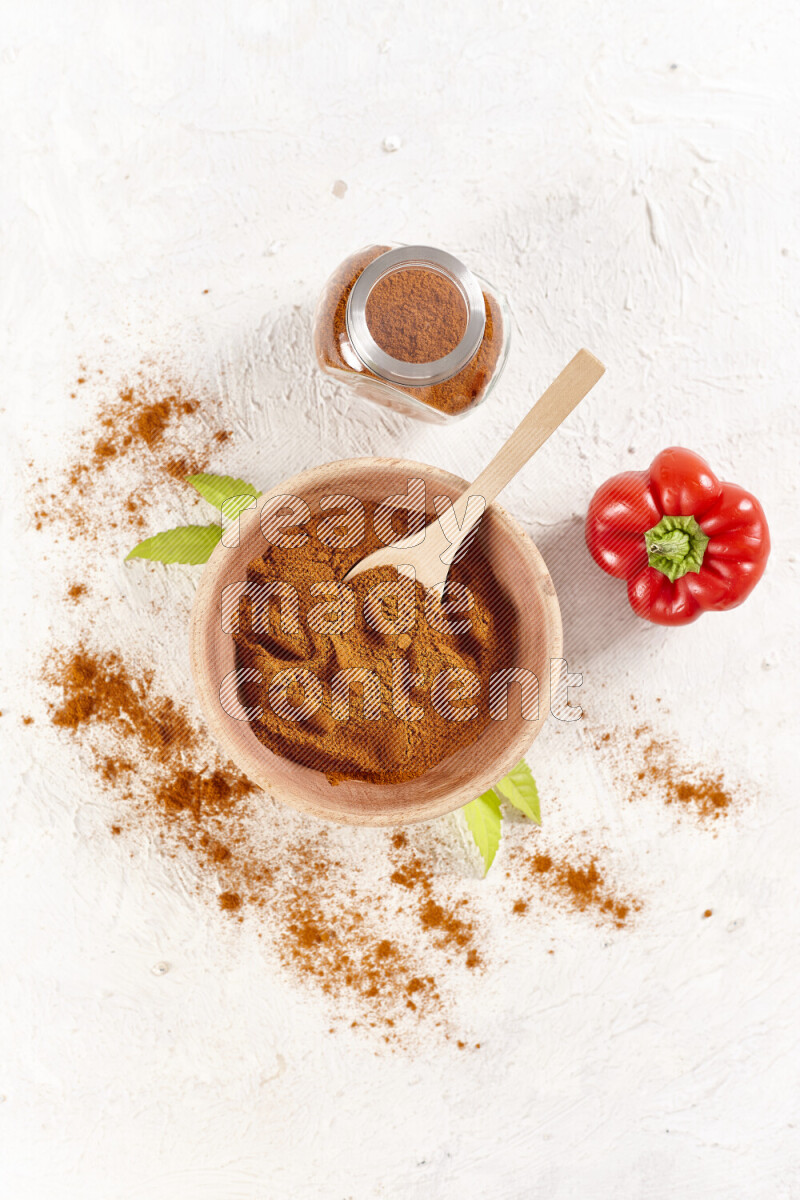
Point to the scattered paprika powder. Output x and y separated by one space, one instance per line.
157 422
352 940
649 766
578 882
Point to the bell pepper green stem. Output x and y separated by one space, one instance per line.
675 546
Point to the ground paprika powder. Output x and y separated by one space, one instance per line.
369 736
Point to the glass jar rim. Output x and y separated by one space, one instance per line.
396 370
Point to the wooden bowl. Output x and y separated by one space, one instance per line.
518 567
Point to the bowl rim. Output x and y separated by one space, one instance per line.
255 763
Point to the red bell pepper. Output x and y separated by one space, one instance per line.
685 542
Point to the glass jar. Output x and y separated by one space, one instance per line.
413 329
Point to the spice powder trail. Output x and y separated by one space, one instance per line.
387 949
330 924
648 766
574 880
158 423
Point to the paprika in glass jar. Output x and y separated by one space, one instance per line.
413 329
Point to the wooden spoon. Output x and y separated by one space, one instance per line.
429 552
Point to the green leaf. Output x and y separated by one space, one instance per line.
218 489
235 505
186 544
484 818
519 788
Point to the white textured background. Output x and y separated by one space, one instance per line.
627 173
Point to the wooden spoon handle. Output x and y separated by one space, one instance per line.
445 536
553 406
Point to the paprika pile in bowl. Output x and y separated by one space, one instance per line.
413 329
